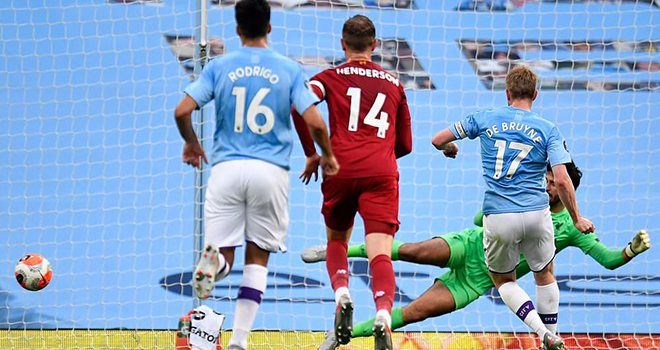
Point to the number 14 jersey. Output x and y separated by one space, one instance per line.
369 118
516 146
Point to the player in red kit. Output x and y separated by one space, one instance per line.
369 130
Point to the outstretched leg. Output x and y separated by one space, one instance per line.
435 301
434 251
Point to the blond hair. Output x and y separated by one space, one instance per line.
521 83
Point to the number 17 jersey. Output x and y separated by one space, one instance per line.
516 146
368 116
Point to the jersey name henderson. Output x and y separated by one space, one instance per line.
368 116
516 146
253 90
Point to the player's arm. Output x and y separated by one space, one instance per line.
305 100
183 117
614 258
199 93
313 159
557 152
306 140
442 141
319 133
403 143
566 193
192 150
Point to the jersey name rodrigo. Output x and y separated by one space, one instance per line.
253 71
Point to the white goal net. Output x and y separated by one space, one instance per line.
91 175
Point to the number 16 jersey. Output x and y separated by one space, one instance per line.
369 118
253 90
516 146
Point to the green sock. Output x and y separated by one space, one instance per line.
357 251
397 318
360 250
364 329
396 245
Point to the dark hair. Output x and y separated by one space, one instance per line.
521 83
573 172
253 18
359 33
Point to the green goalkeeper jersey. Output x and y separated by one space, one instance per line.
468 277
566 235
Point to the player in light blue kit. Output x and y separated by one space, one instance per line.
516 146
253 89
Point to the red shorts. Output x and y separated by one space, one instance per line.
375 198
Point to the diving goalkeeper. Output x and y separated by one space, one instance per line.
468 278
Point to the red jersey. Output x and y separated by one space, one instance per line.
369 118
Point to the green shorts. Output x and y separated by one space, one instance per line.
468 277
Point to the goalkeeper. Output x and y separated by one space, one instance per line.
468 278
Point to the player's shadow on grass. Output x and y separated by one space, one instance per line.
181 284
566 285
13 316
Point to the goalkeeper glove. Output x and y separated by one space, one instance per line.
640 243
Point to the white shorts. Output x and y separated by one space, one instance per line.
247 200
506 235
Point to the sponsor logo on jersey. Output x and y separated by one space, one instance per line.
203 334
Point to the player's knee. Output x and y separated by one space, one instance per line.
544 277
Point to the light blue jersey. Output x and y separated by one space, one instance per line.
516 146
253 89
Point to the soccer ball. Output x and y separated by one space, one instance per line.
33 272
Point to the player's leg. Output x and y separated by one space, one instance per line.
266 222
339 208
250 294
379 207
450 292
502 236
224 222
337 267
547 297
434 251
538 246
383 283
435 301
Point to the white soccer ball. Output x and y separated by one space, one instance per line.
33 272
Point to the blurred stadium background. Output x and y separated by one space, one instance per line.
91 175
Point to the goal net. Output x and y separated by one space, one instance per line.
91 175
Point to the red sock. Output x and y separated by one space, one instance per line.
336 262
382 282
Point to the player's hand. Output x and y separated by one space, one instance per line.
192 153
329 165
450 150
640 243
584 225
311 168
